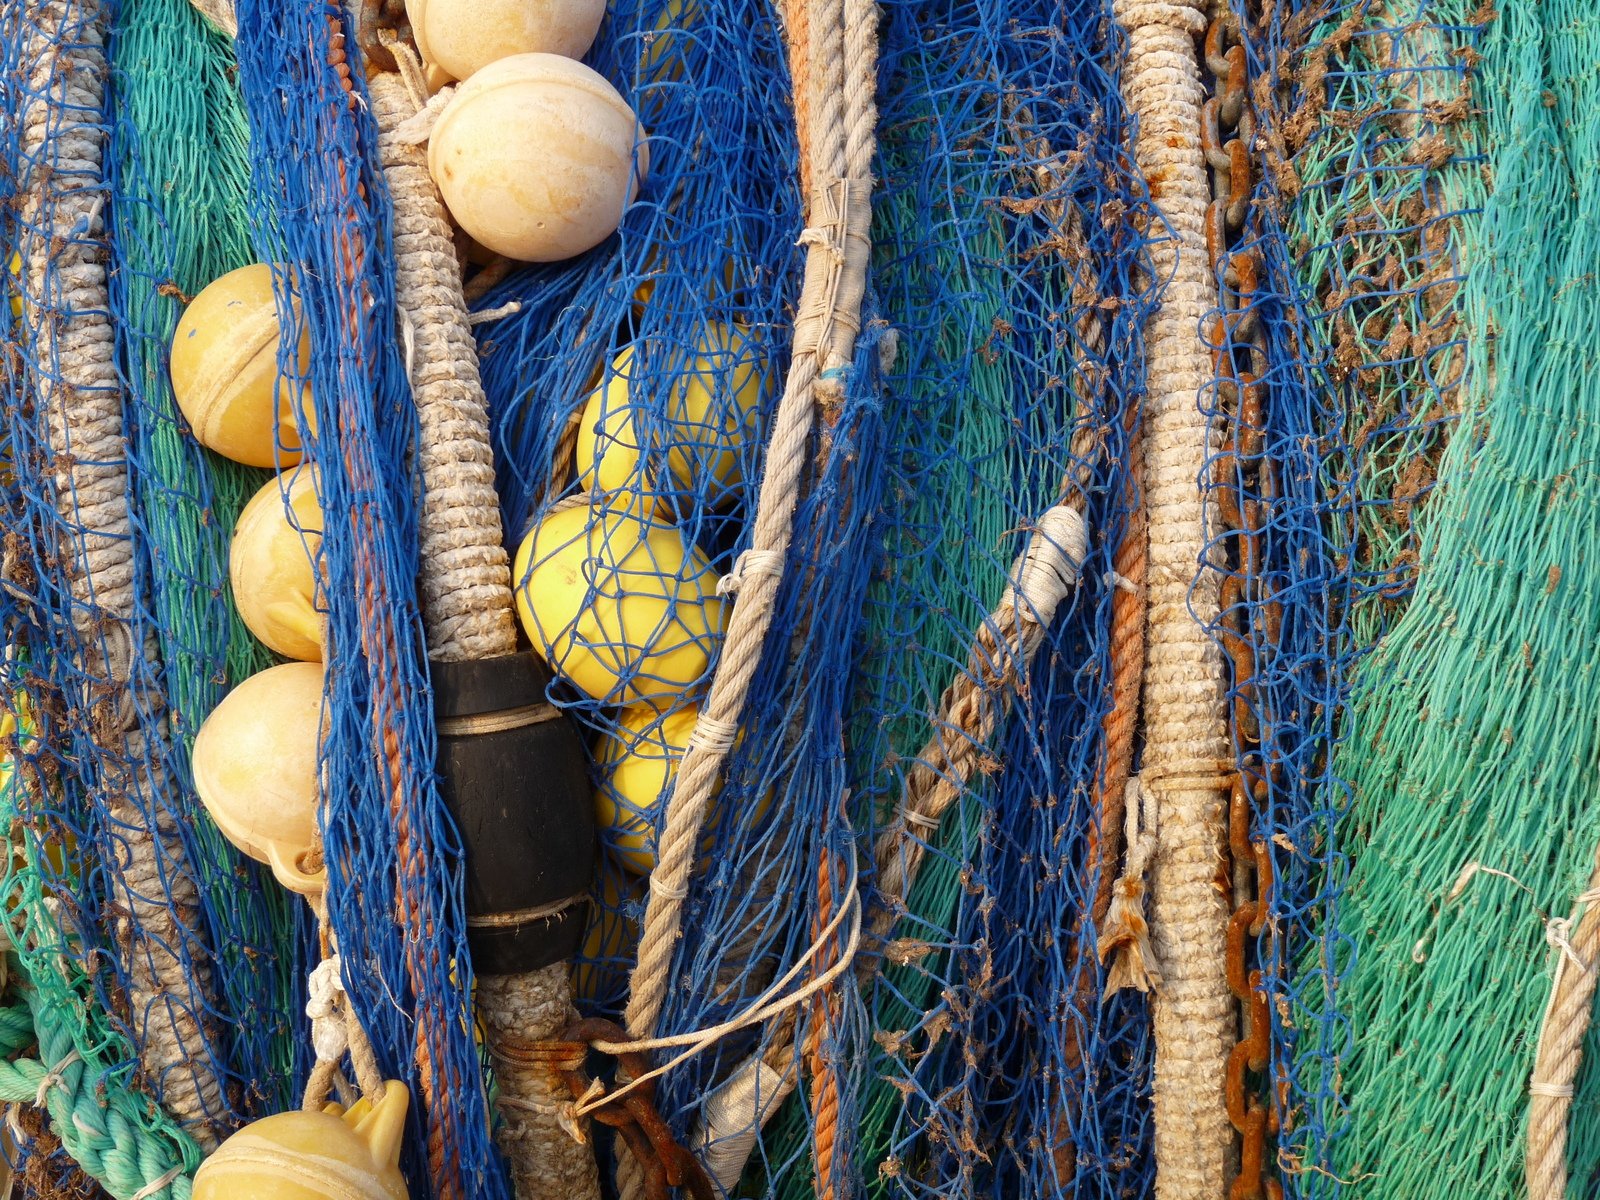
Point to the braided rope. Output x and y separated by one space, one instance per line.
467 608
1560 1049
1185 729
829 318
64 262
102 1125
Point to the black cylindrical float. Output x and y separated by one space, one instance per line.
515 778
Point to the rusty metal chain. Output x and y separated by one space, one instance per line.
1245 486
664 1163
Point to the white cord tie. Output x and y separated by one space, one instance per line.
330 1038
156 1186
659 887
54 1077
713 735
747 566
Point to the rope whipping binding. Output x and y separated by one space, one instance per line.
81 586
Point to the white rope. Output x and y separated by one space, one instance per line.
156 1186
760 1010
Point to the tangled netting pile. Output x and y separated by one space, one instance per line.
1400 505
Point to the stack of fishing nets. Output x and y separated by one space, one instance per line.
833 599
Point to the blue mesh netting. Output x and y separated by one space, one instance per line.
108 770
395 894
1368 171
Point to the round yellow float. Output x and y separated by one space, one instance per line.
271 565
534 155
619 606
327 1155
715 410
225 371
712 420
638 761
464 36
255 768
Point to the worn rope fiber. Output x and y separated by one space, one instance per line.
1560 1050
82 399
98 1122
1185 731
467 608
833 57
828 320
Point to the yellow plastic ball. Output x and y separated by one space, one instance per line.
327 1155
464 36
225 371
14 283
534 155
610 455
271 565
620 607
255 768
638 761
715 411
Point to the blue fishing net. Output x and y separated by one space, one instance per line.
1367 169
101 763
395 892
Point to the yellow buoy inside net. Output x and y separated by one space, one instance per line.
271 565
638 760
225 371
326 1155
622 608
708 429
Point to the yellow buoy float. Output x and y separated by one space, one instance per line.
711 420
327 1155
255 769
638 760
534 156
464 36
225 371
272 566
621 607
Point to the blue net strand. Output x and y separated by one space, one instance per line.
396 891
90 789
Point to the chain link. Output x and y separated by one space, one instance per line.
1245 485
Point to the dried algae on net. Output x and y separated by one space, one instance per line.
1472 740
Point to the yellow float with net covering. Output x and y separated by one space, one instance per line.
272 565
225 371
620 607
